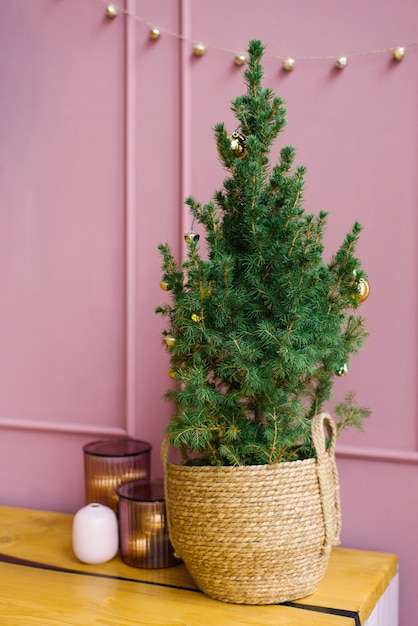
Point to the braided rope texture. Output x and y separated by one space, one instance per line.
257 534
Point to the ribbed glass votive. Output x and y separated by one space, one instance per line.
108 464
144 539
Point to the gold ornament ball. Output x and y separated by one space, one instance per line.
164 286
289 64
189 237
343 370
195 317
111 11
199 49
363 290
399 53
171 373
169 340
154 33
238 144
341 63
240 59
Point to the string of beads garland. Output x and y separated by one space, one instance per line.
288 63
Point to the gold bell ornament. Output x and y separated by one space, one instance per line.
238 144
191 237
343 370
363 290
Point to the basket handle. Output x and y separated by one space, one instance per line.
327 478
318 436
165 449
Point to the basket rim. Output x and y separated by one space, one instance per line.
262 467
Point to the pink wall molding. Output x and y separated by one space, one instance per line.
17 424
131 242
378 454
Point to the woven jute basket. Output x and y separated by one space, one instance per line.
259 534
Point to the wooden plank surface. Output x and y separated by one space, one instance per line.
116 594
33 597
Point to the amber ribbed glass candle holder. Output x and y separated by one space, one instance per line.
108 464
144 539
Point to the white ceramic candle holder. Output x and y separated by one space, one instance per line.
95 534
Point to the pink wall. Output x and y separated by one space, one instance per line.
103 132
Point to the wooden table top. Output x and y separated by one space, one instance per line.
42 583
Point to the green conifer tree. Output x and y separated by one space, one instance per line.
259 325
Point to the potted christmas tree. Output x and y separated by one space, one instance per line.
258 327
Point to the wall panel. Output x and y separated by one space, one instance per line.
62 217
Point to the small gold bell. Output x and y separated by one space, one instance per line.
238 144
192 236
343 370
363 290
